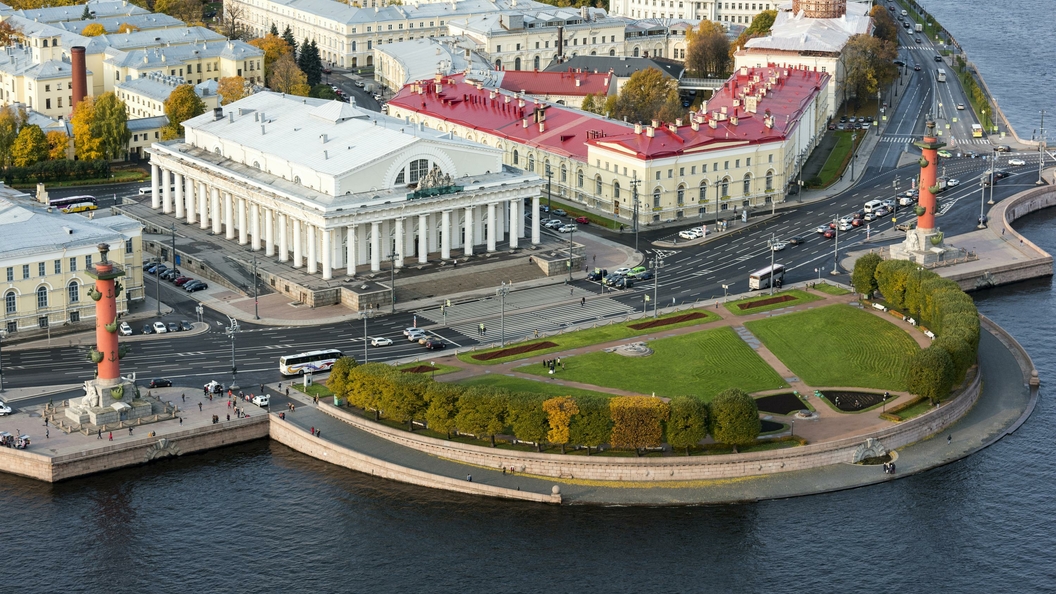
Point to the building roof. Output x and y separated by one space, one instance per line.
143 22
160 37
795 32
568 82
568 132
422 57
141 124
163 57
56 14
29 229
346 13
159 86
540 17
621 66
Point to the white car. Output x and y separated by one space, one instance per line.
1017 162
777 246
380 341
4 409
688 234
124 329
622 271
822 228
902 201
417 335
160 328
847 219
567 228
845 226
262 400
953 182
871 216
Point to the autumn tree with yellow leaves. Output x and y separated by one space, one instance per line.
637 422
183 104
559 413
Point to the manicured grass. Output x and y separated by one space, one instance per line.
575 211
800 297
839 345
316 389
117 177
518 384
700 364
434 369
601 334
838 158
830 289
916 410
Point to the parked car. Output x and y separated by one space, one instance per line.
554 224
560 212
642 276
568 228
173 327
687 234
184 325
124 329
597 274
214 387
148 329
5 409
378 341
583 220
159 382
170 274
195 286
262 400
1017 162
182 280
435 344
160 328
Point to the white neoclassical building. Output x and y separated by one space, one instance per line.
325 186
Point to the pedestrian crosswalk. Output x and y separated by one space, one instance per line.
905 139
520 319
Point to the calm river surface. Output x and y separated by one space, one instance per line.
261 518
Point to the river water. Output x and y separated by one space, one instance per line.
261 518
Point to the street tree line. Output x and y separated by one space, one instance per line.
622 422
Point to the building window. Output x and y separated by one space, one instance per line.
564 174
75 316
42 321
73 264
419 168
748 162
702 196
516 157
401 177
128 246
42 297
74 292
10 302
88 262
531 163
25 271
597 186
770 180
681 195
579 178
747 183
58 266
10 274
656 198
725 187
615 190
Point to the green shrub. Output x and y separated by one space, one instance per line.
733 418
931 374
864 276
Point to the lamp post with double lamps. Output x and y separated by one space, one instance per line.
392 277
502 292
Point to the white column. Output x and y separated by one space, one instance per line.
284 247
328 272
521 230
189 197
535 221
297 260
491 227
400 244
423 238
515 226
203 207
269 232
445 235
350 258
229 216
166 191
313 258
375 246
243 226
467 249
254 225
214 213
155 179
177 180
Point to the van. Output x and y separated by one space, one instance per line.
904 13
872 205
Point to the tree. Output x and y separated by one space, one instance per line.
931 374
286 77
231 20
30 147
868 65
559 413
274 48
406 401
707 49
592 426
891 278
87 14
183 104
443 406
323 92
367 385
110 126
10 34
188 11
671 109
643 96
231 89
760 27
527 418
93 29
884 27
8 133
864 276
310 63
734 418
274 30
482 411
87 146
588 103
688 424
58 145
338 381
637 422
287 36
127 28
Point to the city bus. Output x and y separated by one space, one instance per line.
64 203
311 361
941 75
761 279
977 131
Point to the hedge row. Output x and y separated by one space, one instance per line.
948 311
57 170
624 422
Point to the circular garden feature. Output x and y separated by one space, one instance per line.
853 401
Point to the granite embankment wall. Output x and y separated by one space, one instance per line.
672 468
133 453
309 445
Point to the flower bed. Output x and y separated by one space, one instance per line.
667 321
517 350
765 302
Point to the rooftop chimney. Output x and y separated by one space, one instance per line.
638 128
218 114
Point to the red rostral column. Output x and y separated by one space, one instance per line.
929 173
105 296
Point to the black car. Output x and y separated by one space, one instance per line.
1002 148
435 345
197 287
1001 174
797 240
160 383
185 325
173 327
597 274
624 282
938 58
148 329
899 63
170 274
646 275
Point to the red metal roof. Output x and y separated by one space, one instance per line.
555 83
782 95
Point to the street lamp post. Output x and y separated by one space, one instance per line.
231 331
993 158
836 244
366 314
571 232
877 121
982 196
173 246
256 311
549 179
157 284
725 291
854 137
502 292
1041 148
771 243
657 264
392 278
818 270
3 335
634 196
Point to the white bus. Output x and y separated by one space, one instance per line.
311 361
941 75
761 279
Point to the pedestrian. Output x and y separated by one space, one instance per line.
571 291
529 259
582 301
594 258
98 433
183 397
181 420
469 477
562 367
199 407
484 328
111 436
503 471
45 421
228 416
130 431
47 435
261 388
287 391
949 439
318 433
313 429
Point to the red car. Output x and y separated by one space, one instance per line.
829 233
583 220
857 222
179 282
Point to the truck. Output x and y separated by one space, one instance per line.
918 27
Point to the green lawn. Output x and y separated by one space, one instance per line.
316 389
839 345
698 364
601 334
838 158
518 384
800 297
830 289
